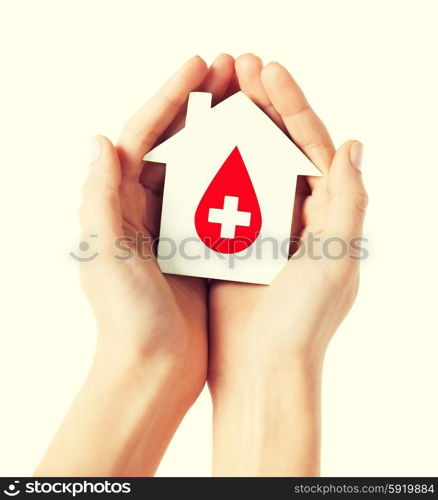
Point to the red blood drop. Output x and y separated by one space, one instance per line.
243 217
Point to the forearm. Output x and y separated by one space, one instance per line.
268 424
119 424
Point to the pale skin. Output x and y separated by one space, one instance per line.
160 337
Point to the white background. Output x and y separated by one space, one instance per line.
70 70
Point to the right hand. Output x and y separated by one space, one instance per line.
141 313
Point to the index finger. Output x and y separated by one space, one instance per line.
144 128
304 126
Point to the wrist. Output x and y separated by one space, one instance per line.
273 418
136 371
267 382
121 421
262 370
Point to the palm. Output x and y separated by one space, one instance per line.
187 290
141 207
183 298
140 307
243 315
174 306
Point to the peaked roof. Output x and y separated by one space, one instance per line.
229 111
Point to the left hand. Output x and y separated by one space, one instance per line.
267 343
257 325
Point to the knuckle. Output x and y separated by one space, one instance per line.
94 197
320 141
361 200
358 198
132 131
99 190
170 100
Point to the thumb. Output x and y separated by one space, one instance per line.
100 213
347 196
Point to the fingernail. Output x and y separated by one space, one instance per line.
356 152
95 148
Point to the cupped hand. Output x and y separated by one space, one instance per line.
254 328
141 313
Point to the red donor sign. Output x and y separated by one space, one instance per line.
228 218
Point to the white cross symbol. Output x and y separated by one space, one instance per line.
229 217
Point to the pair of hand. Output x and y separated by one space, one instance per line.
229 333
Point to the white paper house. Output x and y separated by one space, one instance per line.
193 158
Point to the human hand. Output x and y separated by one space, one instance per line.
151 356
141 313
267 343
